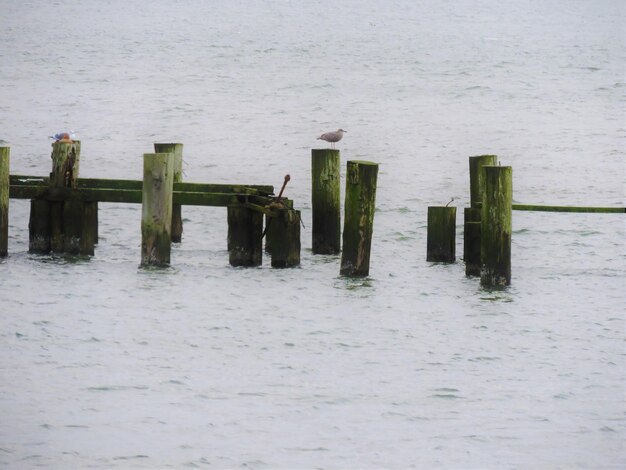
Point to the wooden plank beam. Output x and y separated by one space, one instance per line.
538 208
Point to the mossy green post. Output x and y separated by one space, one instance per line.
476 177
285 235
156 209
326 204
496 226
360 204
471 241
441 238
4 201
471 216
245 231
177 152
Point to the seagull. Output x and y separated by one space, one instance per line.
332 137
64 136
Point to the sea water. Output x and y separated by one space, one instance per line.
106 365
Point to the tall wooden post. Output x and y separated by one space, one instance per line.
441 239
177 151
245 231
284 231
471 222
46 224
476 177
156 209
326 206
496 226
4 201
358 226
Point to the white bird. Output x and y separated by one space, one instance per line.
332 137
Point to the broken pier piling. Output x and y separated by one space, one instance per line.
64 207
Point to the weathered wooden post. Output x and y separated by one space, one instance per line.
471 216
89 231
4 201
156 209
496 226
46 224
476 177
326 206
177 151
441 239
285 235
245 231
39 226
471 241
359 207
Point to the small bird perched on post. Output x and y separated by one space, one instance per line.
64 137
332 137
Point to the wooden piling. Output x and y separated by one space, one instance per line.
285 235
471 241
441 238
39 227
476 180
4 201
66 217
360 204
326 208
496 226
245 231
471 216
177 151
65 164
89 230
156 209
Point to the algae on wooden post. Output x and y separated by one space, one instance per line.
325 193
284 231
359 208
471 225
496 226
245 231
177 151
476 181
156 209
441 238
4 200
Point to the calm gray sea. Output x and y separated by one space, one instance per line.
104 365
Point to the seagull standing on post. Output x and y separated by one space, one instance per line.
332 137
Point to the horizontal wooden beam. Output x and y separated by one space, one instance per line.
132 196
99 183
533 207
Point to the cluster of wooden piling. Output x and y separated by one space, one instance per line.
64 212
359 207
64 208
487 224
